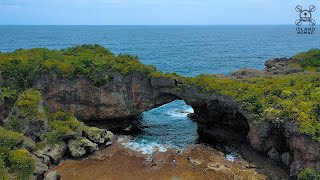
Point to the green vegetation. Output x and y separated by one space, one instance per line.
21 163
309 174
309 60
28 103
21 67
26 112
293 97
18 162
61 125
4 175
278 98
8 141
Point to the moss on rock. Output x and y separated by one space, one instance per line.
21 163
28 116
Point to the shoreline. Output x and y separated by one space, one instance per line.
119 162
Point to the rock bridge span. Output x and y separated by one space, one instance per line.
219 117
124 98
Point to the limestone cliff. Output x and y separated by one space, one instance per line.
97 86
219 117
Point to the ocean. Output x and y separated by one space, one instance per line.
186 50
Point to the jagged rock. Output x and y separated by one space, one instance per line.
55 152
273 154
53 175
39 168
281 66
294 168
246 73
123 97
33 124
28 144
79 147
285 158
220 118
97 135
192 115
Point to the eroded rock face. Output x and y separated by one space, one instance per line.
122 97
32 126
80 147
219 117
304 150
53 152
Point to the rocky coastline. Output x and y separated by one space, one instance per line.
118 103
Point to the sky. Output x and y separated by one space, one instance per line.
152 12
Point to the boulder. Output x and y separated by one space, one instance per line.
285 158
273 154
40 168
97 135
54 152
29 144
79 147
53 175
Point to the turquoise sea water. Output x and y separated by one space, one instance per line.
187 50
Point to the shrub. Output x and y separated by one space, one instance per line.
309 60
3 170
8 140
28 102
20 68
309 174
62 125
21 163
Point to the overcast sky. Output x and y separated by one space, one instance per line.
152 12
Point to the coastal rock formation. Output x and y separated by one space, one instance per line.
122 97
219 117
112 91
27 116
281 66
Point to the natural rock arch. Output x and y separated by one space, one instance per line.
124 98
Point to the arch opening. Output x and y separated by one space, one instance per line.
164 127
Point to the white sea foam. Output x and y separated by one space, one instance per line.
143 146
179 113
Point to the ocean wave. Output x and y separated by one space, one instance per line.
144 146
179 113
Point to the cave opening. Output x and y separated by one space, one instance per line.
167 126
